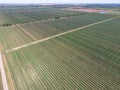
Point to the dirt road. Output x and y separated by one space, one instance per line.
27 33
3 75
51 37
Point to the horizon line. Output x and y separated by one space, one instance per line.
60 3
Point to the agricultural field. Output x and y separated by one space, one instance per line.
14 36
25 15
48 48
87 59
7 19
46 14
45 29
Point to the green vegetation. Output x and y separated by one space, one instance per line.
7 19
45 29
12 37
46 14
16 16
82 60
87 59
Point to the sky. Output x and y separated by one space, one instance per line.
60 1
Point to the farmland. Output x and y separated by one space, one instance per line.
44 29
81 60
11 37
46 48
16 16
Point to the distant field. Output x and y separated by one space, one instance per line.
11 37
46 14
87 59
13 16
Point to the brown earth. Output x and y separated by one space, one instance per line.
91 10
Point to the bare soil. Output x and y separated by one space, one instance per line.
91 10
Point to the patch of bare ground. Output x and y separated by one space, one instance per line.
90 10
8 75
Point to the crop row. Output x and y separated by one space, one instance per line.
8 18
83 60
11 37
45 29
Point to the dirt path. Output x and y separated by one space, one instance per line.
51 37
27 33
3 75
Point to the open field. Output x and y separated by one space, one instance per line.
7 19
88 59
46 14
16 16
47 48
60 34
45 29
14 36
